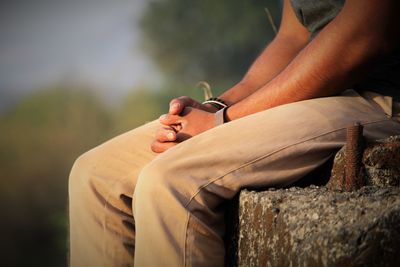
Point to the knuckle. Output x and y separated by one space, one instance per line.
163 117
185 100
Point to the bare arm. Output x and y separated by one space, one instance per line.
334 60
291 38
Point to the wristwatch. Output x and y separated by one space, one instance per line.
220 116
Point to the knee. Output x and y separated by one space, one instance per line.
157 183
151 182
80 174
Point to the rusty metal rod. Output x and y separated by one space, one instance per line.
354 153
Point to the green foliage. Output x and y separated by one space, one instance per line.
138 107
42 136
39 140
206 39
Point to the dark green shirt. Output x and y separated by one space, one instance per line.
315 14
384 78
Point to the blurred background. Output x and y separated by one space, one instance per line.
76 73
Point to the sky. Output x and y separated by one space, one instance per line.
43 42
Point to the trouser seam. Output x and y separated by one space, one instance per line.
270 154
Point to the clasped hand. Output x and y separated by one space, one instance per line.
185 119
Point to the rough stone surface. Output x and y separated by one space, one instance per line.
323 226
381 165
316 226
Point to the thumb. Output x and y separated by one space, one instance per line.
175 107
178 104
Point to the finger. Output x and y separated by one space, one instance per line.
178 104
159 147
176 127
165 134
168 119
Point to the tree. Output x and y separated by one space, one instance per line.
205 39
39 140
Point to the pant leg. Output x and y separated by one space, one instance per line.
101 186
179 195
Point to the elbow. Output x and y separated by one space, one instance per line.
388 45
381 43
370 47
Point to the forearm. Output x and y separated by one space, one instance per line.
269 64
291 38
332 62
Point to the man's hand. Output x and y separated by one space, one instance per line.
179 128
177 105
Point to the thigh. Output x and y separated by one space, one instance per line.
178 197
275 147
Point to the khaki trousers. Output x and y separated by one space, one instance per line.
129 205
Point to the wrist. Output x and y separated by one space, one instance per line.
216 102
236 93
228 115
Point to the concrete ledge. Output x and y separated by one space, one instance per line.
323 226
318 227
